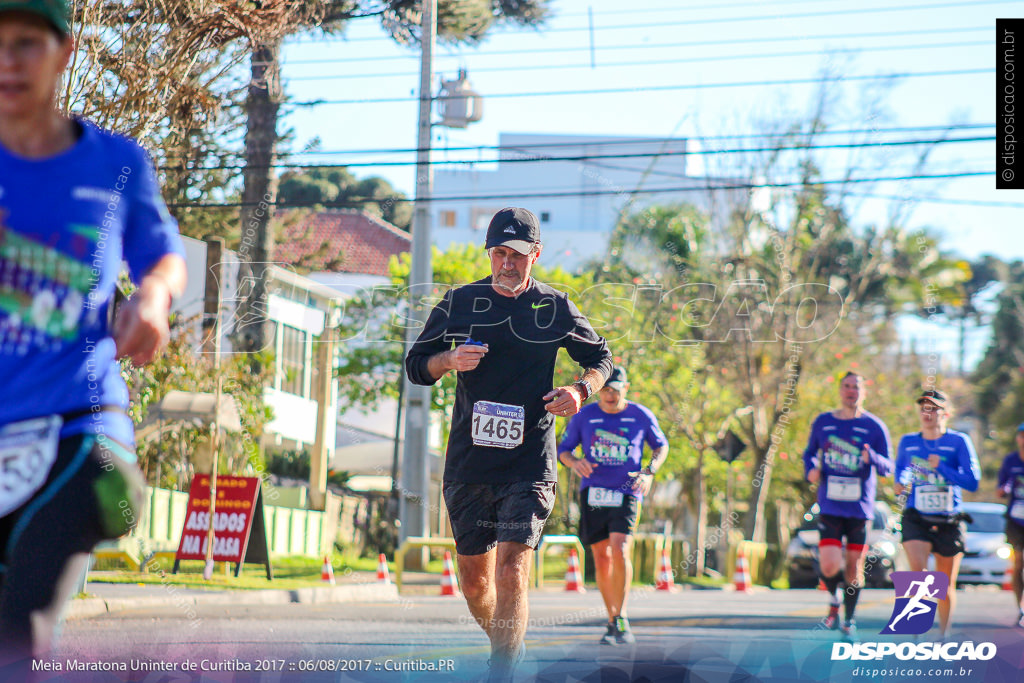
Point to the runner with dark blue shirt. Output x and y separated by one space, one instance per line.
933 466
846 453
612 434
499 473
74 202
1011 487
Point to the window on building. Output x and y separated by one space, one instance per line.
447 219
545 216
293 360
480 217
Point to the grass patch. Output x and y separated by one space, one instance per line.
290 572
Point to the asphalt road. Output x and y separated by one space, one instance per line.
691 635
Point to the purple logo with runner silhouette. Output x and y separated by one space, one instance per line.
916 596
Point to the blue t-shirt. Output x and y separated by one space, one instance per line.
66 224
1011 478
939 489
612 441
847 485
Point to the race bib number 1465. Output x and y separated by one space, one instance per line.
497 424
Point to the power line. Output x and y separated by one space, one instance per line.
603 142
733 19
690 8
931 199
599 193
665 88
630 155
647 46
686 60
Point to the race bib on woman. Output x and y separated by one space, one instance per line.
934 500
28 450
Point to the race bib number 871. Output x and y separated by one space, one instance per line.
497 424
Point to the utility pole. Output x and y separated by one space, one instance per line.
415 499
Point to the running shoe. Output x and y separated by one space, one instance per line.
1020 619
832 620
499 674
609 637
623 635
849 631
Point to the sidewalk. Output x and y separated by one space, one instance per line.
114 597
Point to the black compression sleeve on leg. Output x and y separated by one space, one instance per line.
832 584
850 597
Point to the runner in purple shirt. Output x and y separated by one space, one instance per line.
846 453
612 434
1011 487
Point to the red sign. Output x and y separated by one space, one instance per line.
233 517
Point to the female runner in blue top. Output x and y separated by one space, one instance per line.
75 201
933 466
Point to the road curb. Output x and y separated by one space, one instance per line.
84 608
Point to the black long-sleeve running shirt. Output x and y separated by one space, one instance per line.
523 335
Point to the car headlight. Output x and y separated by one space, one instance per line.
886 548
1004 552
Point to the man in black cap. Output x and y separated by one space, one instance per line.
501 335
612 434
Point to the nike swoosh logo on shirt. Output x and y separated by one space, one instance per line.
536 305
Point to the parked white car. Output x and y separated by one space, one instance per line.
987 555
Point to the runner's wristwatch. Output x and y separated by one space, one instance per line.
584 389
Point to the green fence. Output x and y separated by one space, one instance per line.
290 531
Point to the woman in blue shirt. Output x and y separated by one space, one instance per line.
933 466
75 201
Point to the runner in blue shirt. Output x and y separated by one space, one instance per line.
932 467
1011 487
847 451
74 202
612 434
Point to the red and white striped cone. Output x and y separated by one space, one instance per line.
573 579
382 570
665 582
1008 577
449 584
742 574
327 572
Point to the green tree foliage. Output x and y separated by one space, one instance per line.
166 452
999 377
336 187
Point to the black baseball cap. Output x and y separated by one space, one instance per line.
514 228
617 379
54 11
934 396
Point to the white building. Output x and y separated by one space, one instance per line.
577 185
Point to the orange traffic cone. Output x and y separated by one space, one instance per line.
573 580
742 577
665 581
327 573
382 570
449 584
1008 578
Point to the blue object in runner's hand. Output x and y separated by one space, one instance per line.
474 342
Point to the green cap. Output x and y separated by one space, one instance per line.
54 11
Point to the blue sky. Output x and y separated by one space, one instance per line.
672 66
